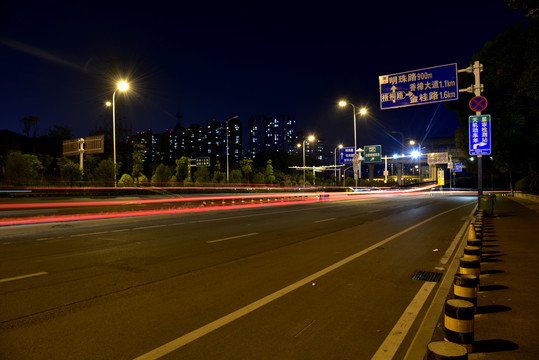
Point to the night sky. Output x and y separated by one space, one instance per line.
217 59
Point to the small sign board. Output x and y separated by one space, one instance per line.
478 103
202 161
373 153
457 167
437 158
441 177
418 87
480 135
346 155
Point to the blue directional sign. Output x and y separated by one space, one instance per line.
480 135
457 167
418 87
346 155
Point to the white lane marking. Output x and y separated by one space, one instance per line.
108 239
90 234
23 277
231 238
392 342
319 221
214 325
453 245
120 230
148 227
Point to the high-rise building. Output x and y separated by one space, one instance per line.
276 133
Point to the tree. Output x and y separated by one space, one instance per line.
235 176
29 123
69 171
104 171
21 168
202 175
530 6
246 166
161 175
270 178
182 168
138 156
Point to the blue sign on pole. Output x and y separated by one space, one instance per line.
457 167
346 155
480 135
418 87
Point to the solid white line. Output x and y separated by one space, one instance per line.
23 277
319 221
214 325
392 342
232 237
148 227
89 234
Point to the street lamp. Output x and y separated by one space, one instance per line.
305 141
335 153
122 86
362 111
232 118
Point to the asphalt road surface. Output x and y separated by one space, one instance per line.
326 280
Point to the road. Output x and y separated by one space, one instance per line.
326 280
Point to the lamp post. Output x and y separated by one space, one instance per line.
232 118
335 153
122 86
305 141
362 111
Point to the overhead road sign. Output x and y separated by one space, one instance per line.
94 144
478 103
419 87
373 153
70 147
346 155
437 158
480 135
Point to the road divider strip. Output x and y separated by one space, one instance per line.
214 325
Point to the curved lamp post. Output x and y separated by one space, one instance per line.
362 111
122 86
310 138
226 122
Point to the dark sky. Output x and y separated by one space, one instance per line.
216 59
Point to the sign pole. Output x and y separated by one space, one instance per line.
477 68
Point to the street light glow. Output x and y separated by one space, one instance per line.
108 103
342 103
363 111
123 85
310 138
415 154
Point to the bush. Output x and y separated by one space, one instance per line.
126 180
